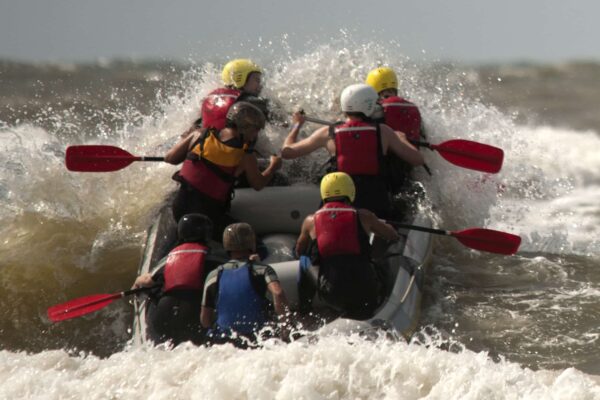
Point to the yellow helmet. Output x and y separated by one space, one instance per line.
337 184
235 73
382 78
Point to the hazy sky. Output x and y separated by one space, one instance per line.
461 30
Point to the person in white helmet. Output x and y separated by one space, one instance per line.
358 147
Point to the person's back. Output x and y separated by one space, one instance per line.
405 119
346 279
234 303
242 82
398 113
359 150
173 314
336 238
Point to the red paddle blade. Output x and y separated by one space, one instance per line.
472 155
81 306
489 240
97 158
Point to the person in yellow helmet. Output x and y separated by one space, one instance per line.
336 239
358 147
405 119
242 80
398 113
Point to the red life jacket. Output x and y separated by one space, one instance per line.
358 148
185 267
210 166
336 226
216 105
402 115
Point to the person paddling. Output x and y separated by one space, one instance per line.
213 159
173 314
405 119
335 239
242 81
234 303
358 146
398 113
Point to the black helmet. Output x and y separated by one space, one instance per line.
244 115
195 228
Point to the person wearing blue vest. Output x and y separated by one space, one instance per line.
234 303
173 310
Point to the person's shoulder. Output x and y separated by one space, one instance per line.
193 134
407 101
324 130
259 265
260 102
385 128
231 264
387 133
364 213
309 218
308 222
212 275
263 268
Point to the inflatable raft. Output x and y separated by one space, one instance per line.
276 214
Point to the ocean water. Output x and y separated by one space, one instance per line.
493 327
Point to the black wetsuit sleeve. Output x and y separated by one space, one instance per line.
159 272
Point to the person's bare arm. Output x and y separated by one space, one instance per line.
298 119
178 152
292 149
207 316
371 223
304 238
257 179
280 303
399 145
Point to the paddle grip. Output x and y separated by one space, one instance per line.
138 290
143 158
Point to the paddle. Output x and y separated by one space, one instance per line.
88 304
464 153
476 238
100 158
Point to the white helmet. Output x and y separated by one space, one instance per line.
359 98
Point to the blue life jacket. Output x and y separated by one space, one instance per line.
240 307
